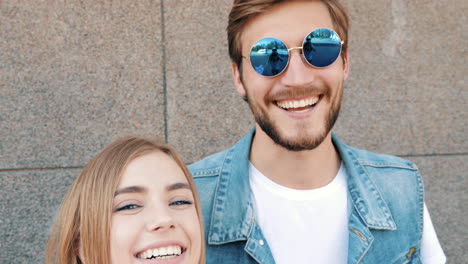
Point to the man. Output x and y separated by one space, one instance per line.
290 191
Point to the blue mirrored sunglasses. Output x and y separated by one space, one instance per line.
270 56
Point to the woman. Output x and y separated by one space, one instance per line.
135 202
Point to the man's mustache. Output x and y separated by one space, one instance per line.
299 92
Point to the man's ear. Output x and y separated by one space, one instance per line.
345 65
236 75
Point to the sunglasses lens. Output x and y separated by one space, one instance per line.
322 47
269 57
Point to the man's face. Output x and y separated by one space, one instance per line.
297 108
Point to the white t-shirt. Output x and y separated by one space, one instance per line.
311 226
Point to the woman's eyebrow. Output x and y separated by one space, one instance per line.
179 185
130 189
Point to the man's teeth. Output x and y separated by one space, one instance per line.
162 252
288 104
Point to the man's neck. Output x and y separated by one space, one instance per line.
303 170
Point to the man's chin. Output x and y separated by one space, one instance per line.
296 143
301 145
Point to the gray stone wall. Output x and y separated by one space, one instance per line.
75 75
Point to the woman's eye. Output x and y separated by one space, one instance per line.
181 202
127 207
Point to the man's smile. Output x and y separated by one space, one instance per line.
298 105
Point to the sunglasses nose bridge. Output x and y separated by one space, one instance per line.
300 49
294 48
301 54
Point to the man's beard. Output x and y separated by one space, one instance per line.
304 141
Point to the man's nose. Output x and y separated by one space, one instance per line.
299 72
160 219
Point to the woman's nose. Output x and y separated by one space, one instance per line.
159 220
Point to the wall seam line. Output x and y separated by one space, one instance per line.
164 80
81 167
40 169
432 155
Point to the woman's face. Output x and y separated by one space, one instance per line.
154 218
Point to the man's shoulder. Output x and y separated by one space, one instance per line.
390 175
212 165
208 166
373 159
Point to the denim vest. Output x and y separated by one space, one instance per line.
385 206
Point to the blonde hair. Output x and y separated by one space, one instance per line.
81 230
243 11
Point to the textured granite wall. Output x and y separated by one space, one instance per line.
75 75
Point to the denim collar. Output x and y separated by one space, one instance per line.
364 193
233 216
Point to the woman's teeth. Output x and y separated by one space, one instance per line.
292 104
161 253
